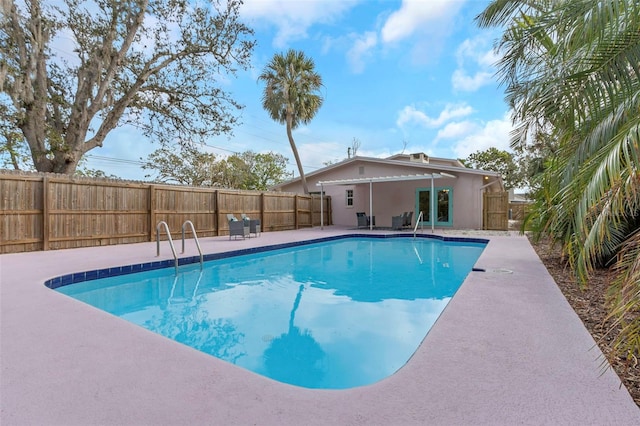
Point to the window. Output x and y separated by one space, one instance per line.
349 197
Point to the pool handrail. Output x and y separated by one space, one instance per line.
418 221
195 237
173 249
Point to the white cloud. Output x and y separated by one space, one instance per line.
456 129
360 50
494 133
479 49
419 16
293 18
475 58
410 115
460 80
488 59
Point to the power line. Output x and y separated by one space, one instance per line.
124 161
217 147
116 160
256 118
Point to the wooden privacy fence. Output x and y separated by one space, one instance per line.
47 211
518 211
496 211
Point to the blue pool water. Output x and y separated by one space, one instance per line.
330 315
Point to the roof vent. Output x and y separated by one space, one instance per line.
419 157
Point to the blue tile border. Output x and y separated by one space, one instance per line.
77 277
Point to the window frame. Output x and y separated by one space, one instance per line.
349 197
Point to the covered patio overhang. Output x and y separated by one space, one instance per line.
372 180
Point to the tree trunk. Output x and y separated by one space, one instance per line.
303 179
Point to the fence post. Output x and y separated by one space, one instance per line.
45 213
313 209
152 211
262 224
295 210
217 212
484 210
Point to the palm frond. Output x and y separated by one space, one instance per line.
624 299
571 69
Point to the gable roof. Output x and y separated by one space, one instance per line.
402 160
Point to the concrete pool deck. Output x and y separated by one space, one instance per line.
508 349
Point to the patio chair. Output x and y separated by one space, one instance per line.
254 225
407 219
363 222
237 227
404 217
397 222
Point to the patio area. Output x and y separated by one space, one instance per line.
508 349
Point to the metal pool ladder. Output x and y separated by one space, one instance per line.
163 224
195 237
418 221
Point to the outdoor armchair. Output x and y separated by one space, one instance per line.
397 222
237 228
408 216
254 224
364 221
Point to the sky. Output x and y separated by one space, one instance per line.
398 75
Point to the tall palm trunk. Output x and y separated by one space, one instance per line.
303 179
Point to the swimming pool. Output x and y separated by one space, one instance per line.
334 314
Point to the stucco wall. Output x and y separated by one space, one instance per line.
394 198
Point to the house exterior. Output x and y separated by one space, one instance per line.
384 188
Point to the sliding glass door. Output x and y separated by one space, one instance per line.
443 205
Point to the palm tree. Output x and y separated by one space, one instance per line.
572 72
290 95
